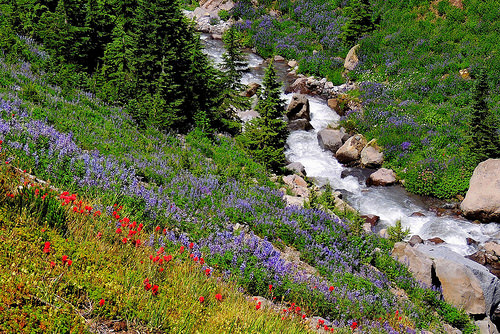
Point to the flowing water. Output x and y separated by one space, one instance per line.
389 203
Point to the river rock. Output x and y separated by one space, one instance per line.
297 185
251 89
216 5
382 177
299 86
470 241
417 214
465 283
330 139
351 150
293 63
415 240
294 200
279 58
479 257
486 326
335 105
419 264
299 124
296 167
436 240
351 60
371 219
298 108
460 287
371 155
492 247
482 201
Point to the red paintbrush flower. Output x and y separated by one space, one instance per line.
218 297
202 299
46 248
154 290
101 302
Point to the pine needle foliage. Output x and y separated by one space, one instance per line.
483 132
265 136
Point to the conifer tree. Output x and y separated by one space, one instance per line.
483 135
231 99
234 62
360 21
265 136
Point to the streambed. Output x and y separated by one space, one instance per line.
389 203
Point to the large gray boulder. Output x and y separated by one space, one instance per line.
382 177
465 283
371 155
296 167
351 60
460 287
330 139
486 326
483 197
299 124
351 150
298 108
419 264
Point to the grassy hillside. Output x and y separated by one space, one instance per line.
145 193
415 101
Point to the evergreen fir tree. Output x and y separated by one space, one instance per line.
360 21
484 137
231 100
234 62
265 136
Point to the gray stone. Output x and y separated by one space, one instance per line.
486 326
460 287
451 330
351 150
298 108
415 240
418 263
297 185
382 177
371 155
294 200
330 139
299 124
482 201
299 86
279 58
351 60
296 167
335 105
492 247
490 284
383 233
292 63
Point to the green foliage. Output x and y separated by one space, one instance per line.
360 21
483 129
264 137
397 233
224 15
143 54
